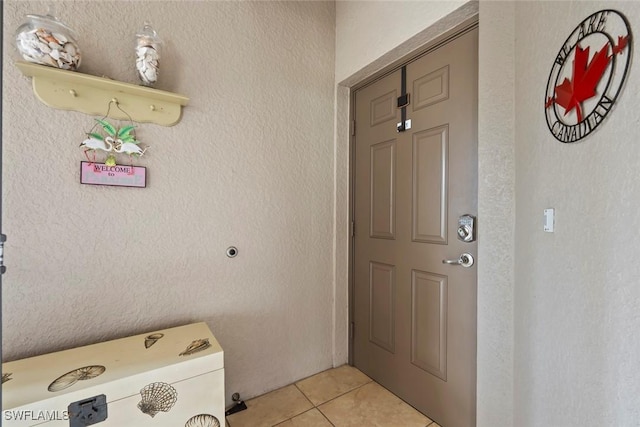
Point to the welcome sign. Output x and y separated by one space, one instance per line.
118 175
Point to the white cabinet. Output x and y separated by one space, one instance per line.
171 377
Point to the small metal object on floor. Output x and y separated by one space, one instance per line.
239 406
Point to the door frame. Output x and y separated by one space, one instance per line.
1 133
455 25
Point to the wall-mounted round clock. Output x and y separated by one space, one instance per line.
587 75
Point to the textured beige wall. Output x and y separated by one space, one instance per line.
496 213
341 206
251 164
577 297
366 30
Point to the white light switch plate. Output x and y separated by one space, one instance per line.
549 218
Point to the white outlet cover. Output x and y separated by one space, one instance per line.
549 219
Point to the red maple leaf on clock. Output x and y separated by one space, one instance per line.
586 76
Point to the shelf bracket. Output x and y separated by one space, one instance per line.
70 90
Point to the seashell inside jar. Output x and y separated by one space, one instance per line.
47 41
148 54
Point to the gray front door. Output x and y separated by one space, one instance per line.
415 317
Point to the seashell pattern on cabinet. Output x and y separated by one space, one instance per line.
202 420
157 397
6 377
196 346
72 377
152 339
144 387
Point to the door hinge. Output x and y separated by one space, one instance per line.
3 239
353 128
352 229
352 330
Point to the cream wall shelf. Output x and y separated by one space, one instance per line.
70 90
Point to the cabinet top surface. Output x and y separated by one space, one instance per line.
192 348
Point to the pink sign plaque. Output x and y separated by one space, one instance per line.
118 175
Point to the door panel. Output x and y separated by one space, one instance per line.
383 194
430 165
429 322
382 302
415 317
430 89
383 108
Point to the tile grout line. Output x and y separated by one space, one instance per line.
317 407
313 405
331 400
325 417
303 412
430 422
305 396
346 392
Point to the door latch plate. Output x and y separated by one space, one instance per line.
87 412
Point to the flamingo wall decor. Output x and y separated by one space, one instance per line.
116 141
113 141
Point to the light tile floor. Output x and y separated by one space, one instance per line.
340 397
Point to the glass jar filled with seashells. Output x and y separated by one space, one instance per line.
148 54
47 41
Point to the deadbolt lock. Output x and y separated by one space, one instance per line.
467 228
